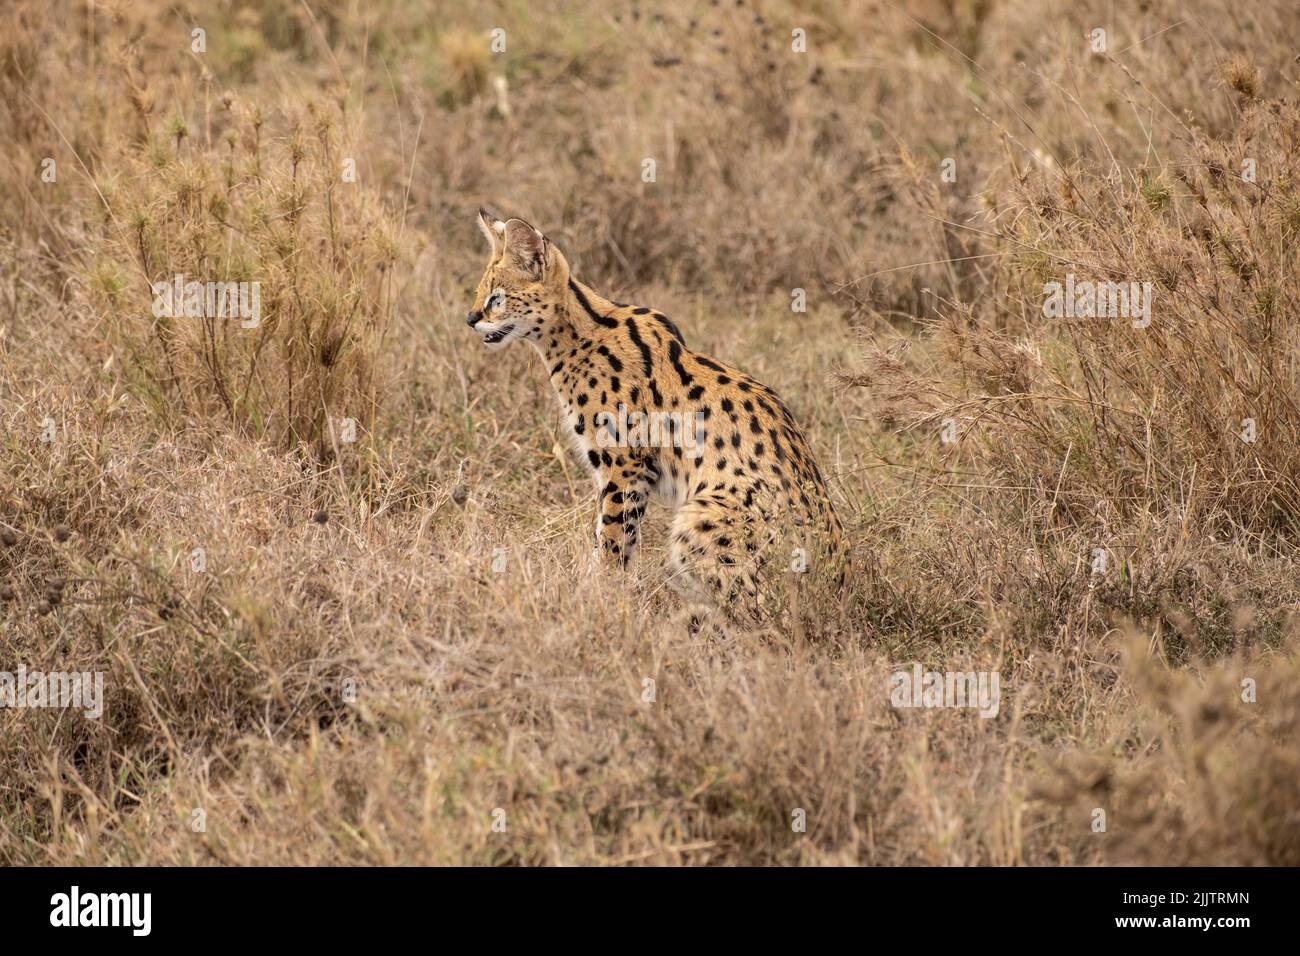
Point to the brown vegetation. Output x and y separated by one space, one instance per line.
349 680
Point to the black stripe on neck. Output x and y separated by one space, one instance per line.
596 317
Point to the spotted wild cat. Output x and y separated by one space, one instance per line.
653 418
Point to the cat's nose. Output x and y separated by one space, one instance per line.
473 317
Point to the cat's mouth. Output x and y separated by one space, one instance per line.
497 336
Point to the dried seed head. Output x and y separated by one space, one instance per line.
1243 77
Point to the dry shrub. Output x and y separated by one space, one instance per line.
1094 469
1221 740
1196 415
243 205
1200 410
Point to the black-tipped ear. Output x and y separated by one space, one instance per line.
526 246
492 227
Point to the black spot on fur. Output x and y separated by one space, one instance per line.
613 359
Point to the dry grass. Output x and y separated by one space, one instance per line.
349 680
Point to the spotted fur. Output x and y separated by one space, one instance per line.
746 490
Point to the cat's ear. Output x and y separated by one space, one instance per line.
493 228
526 247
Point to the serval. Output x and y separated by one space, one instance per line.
654 418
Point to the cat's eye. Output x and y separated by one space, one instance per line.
496 299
